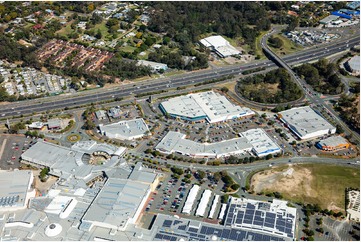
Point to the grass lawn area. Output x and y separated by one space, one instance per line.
67 30
103 29
288 46
128 48
172 73
258 45
310 183
229 85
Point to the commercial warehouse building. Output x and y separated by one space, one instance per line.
175 142
353 65
274 218
262 144
329 19
220 46
246 220
108 208
125 130
118 203
155 66
75 162
210 106
306 123
253 140
15 189
333 143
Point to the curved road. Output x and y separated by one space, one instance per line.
60 102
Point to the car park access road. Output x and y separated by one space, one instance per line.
60 102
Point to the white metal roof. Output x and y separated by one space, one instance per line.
190 199
262 144
220 45
203 203
176 142
210 105
305 121
214 206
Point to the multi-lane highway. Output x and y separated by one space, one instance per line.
59 102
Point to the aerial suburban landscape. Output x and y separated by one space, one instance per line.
180 121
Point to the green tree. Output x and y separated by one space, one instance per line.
224 198
275 42
201 174
235 186
224 89
99 34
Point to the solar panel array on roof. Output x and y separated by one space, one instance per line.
9 200
206 232
260 216
167 223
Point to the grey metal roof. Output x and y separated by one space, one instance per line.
54 123
176 142
354 63
65 162
329 19
14 186
142 174
305 121
333 141
128 129
117 202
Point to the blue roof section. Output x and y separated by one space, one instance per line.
350 12
342 15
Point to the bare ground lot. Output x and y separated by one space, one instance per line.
310 183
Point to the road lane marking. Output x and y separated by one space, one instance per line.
2 148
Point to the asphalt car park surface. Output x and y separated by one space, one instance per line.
12 146
171 194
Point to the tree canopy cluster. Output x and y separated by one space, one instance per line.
185 22
12 51
322 76
125 69
174 59
257 87
347 106
275 42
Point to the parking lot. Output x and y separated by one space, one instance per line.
11 148
336 230
172 193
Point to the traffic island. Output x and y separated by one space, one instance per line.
73 138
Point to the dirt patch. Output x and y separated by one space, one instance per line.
43 187
290 180
333 207
308 183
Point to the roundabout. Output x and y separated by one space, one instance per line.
73 138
